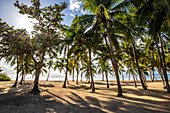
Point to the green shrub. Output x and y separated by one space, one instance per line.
4 77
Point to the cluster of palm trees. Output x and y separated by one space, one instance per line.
114 35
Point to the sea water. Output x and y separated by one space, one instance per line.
55 75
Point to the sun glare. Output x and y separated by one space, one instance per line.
26 23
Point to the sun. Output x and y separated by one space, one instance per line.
26 23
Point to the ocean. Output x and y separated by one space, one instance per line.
57 76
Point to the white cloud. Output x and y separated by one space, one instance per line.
71 14
74 5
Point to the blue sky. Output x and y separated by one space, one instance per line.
9 13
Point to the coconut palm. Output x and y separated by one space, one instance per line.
105 12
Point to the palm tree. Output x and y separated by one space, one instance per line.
103 65
103 15
49 64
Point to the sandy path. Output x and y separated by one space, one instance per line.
79 99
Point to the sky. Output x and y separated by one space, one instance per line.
9 13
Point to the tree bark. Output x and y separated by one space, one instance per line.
64 85
73 73
164 66
122 76
106 73
133 76
102 76
36 84
114 62
38 66
22 78
92 81
16 81
77 76
140 75
48 75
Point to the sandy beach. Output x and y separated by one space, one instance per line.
79 99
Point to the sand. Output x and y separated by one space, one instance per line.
79 98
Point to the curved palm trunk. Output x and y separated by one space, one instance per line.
22 78
122 76
113 60
81 78
133 76
92 81
36 81
106 73
48 75
67 81
153 74
64 85
134 80
140 75
16 81
102 76
164 67
150 74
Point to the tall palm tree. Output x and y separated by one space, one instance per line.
105 12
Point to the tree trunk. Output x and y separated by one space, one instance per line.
22 78
133 76
92 81
158 70
16 81
140 75
164 67
77 76
114 62
67 81
122 76
150 74
36 81
64 85
153 74
73 73
102 76
160 76
81 77
48 75
106 73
